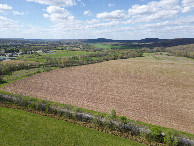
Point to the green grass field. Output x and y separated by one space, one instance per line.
98 45
64 53
163 56
109 46
22 128
57 54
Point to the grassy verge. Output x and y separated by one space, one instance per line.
17 75
163 56
22 128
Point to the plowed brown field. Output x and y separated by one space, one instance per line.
155 92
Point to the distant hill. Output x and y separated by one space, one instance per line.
147 42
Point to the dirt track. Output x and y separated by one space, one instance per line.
152 92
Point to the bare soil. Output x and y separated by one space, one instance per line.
154 92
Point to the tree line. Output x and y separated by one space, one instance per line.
182 50
93 58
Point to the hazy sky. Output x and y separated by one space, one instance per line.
80 19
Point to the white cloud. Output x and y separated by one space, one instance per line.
58 14
164 12
18 13
118 14
74 26
188 5
4 8
103 25
7 24
141 10
63 19
111 5
185 20
186 9
88 13
180 27
93 21
155 10
161 15
63 3
31 29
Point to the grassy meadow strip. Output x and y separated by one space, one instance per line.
20 74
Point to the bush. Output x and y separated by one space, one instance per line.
75 111
171 137
135 131
97 119
155 135
123 119
122 123
48 108
112 114
109 119
1 80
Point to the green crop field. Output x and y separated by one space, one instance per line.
22 128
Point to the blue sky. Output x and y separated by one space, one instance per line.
87 19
